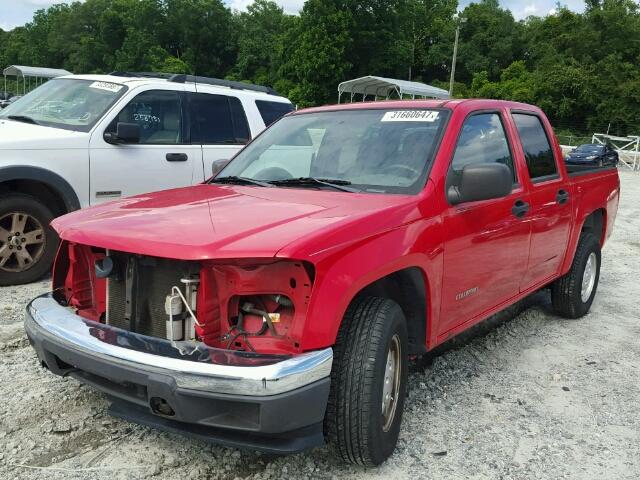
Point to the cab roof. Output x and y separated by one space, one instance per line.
467 104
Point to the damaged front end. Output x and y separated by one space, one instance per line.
256 305
209 348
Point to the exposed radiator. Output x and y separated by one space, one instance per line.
148 281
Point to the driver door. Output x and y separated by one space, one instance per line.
163 158
486 245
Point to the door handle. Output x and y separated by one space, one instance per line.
562 197
520 208
177 157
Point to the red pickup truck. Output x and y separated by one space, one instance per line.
276 306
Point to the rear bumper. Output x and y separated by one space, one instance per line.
266 402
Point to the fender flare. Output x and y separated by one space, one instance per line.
53 180
572 244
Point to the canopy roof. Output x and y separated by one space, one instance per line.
385 87
39 72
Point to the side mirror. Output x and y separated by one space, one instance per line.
218 165
125 133
482 181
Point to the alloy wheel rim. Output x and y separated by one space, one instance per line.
589 277
22 242
391 385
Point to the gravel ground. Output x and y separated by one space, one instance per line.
530 396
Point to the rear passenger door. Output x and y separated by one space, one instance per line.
219 125
550 213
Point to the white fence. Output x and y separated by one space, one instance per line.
628 148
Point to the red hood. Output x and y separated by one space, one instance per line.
207 221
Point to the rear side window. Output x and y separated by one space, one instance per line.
537 148
217 119
272 111
482 140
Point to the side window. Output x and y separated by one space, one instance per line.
158 114
272 111
482 140
536 146
217 119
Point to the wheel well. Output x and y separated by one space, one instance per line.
407 288
595 224
40 190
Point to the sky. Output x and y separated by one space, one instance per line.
21 11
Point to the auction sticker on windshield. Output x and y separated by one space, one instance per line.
110 87
410 116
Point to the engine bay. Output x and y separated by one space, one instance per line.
252 305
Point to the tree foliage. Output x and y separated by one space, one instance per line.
583 69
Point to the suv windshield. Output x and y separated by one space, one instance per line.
378 151
65 103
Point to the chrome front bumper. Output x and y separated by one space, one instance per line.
206 369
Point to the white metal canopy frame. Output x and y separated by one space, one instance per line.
387 87
628 148
40 74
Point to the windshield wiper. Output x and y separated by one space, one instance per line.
314 181
233 180
22 118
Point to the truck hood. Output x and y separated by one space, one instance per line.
25 136
212 221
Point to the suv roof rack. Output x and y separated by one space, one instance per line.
165 76
184 78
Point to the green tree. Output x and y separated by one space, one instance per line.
200 33
319 60
490 40
261 36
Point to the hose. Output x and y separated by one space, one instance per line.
267 324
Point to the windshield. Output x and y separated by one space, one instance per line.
378 151
65 103
589 148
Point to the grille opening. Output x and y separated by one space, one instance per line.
132 392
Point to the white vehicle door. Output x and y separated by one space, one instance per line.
161 158
219 124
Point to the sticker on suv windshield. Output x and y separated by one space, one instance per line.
410 116
110 87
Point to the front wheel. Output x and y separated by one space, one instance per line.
368 382
27 243
573 294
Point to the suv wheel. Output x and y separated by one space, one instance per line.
368 382
27 243
573 294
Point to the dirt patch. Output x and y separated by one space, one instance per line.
531 397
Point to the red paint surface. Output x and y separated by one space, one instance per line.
351 240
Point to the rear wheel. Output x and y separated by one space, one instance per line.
573 294
368 382
27 243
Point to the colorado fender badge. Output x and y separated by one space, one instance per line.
466 293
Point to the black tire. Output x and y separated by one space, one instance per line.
25 204
566 292
354 422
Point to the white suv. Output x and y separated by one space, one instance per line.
85 139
